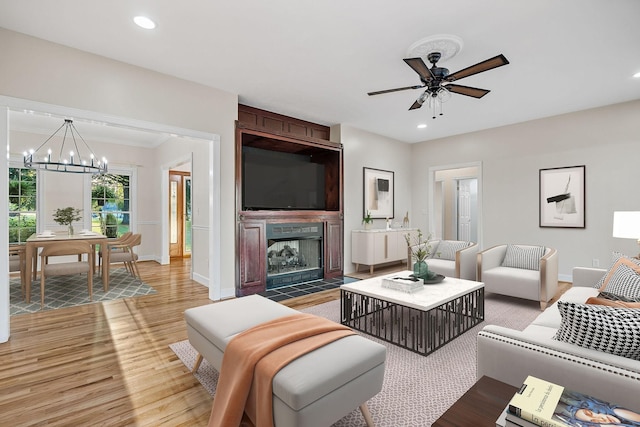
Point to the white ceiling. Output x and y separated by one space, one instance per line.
316 60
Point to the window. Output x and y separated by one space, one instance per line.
23 191
111 204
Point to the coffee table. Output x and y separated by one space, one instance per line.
422 321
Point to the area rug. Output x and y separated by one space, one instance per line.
68 291
416 389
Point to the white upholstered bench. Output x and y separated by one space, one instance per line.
316 389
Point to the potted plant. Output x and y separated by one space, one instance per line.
367 220
66 216
420 250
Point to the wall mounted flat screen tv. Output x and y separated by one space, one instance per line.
273 180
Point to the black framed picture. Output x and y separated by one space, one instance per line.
562 197
378 190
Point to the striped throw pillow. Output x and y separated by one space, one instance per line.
447 249
623 279
526 257
615 264
608 329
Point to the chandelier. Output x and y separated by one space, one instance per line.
81 157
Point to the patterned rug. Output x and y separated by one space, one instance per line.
67 291
416 389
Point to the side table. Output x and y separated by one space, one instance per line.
480 406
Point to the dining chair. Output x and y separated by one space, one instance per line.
63 248
115 241
17 262
123 252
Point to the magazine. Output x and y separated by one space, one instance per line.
550 405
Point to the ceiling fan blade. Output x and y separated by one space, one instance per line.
496 61
420 67
415 106
395 90
467 90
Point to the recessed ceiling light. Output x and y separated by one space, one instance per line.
144 22
422 125
637 75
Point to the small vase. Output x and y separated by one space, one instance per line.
70 230
421 270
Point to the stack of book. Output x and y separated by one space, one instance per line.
541 403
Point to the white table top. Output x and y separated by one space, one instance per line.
429 297
64 236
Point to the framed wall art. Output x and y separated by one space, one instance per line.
378 193
562 197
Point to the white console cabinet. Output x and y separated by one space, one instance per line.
373 247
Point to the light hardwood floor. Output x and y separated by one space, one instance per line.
106 364
109 364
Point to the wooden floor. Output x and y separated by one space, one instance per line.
106 364
109 364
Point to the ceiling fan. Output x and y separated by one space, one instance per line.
437 80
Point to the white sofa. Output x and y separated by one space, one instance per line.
537 285
509 355
463 267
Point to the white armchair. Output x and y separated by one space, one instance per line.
524 281
458 260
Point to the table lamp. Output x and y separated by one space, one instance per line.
626 225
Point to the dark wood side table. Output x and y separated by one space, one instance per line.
480 406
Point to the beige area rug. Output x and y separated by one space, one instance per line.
417 389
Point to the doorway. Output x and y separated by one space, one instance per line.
455 202
179 214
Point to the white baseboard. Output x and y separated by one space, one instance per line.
565 278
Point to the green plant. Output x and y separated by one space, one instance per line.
66 216
111 225
367 218
420 248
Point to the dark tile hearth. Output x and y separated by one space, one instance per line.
300 289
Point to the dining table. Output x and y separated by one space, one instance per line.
42 240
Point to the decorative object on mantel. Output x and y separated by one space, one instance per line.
82 160
66 216
420 250
367 220
378 191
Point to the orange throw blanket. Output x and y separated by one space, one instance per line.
253 358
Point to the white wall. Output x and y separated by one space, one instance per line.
37 70
363 149
606 140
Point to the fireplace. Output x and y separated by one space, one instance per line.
294 253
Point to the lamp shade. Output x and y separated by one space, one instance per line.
626 225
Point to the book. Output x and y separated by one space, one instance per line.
550 405
512 420
507 419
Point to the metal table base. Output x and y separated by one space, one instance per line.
420 331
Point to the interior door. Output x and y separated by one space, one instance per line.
178 213
466 204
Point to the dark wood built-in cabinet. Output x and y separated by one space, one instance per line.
281 135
